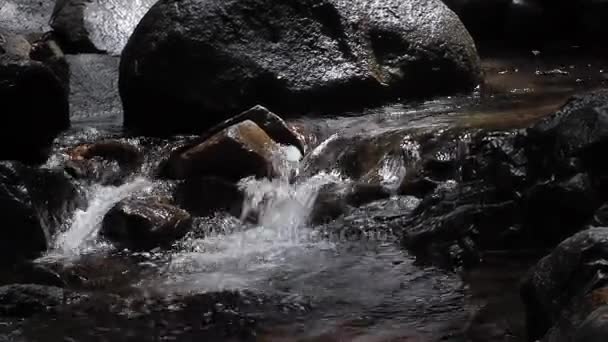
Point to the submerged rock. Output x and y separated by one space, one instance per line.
33 203
234 153
27 300
203 61
97 25
143 224
34 92
107 162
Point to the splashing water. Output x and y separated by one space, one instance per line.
81 234
280 208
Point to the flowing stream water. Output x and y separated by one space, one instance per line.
323 282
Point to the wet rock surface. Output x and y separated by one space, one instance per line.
459 181
517 189
108 162
97 26
225 57
564 289
236 152
34 202
34 92
143 224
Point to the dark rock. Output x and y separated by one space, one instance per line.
336 199
594 328
107 162
206 60
97 25
417 187
34 94
207 195
556 287
571 140
329 204
27 300
600 217
553 211
145 224
55 196
33 203
236 152
455 223
22 233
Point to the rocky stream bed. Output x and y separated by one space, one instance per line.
399 171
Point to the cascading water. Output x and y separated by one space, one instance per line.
81 234
280 208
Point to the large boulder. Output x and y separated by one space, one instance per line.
564 288
34 93
33 203
203 61
143 224
97 25
234 153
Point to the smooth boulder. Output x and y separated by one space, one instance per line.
97 25
144 224
34 89
203 61
234 153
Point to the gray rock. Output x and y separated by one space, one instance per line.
97 25
25 16
203 61
94 89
